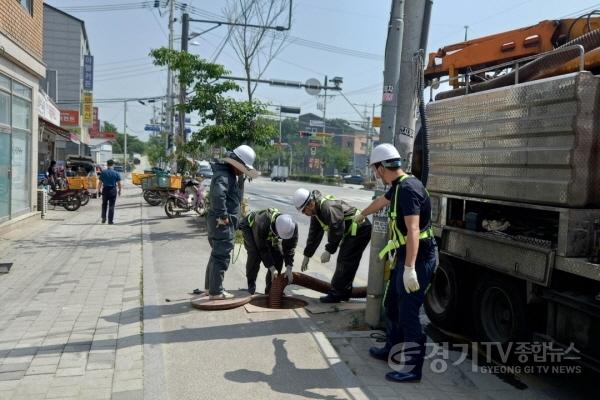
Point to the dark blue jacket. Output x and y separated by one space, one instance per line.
225 193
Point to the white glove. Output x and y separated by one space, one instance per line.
304 264
359 218
411 283
325 257
273 273
289 274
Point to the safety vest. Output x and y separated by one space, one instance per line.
397 239
273 214
353 226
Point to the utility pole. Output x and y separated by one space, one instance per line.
279 161
466 30
391 79
170 81
125 133
185 33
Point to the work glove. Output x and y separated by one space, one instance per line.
273 273
325 257
289 274
359 218
411 283
304 264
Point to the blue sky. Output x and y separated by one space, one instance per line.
121 41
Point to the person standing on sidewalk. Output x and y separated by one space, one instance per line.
413 246
109 187
336 218
223 215
270 237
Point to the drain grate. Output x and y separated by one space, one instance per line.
5 267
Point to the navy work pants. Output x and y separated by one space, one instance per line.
109 198
254 258
402 308
348 260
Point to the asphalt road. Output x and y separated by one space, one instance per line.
262 193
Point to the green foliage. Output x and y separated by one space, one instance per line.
335 156
235 122
155 148
134 145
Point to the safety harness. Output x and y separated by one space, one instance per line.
273 214
397 239
352 229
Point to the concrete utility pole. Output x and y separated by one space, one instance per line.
391 77
185 34
416 26
169 126
125 133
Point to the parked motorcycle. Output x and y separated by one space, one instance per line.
190 198
68 198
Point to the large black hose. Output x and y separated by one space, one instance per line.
534 68
425 160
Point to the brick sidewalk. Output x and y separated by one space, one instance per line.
64 332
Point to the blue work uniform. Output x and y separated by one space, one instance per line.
110 179
408 197
224 202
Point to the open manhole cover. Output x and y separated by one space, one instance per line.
5 267
287 303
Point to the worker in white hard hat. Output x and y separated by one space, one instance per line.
270 237
223 216
412 250
335 217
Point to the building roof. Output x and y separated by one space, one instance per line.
87 42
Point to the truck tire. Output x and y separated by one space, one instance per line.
499 310
442 298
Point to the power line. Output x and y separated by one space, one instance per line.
581 11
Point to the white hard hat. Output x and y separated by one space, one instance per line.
385 152
301 198
285 226
246 155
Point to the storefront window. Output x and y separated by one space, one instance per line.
4 175
21 113
4 108
21 90
4 83
21 177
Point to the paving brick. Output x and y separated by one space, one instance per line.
128 395
11 376
62 392
10 367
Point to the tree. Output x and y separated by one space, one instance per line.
155 149
134 145
233 122
256 48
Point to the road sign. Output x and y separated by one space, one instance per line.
316 122
290 110
313 86
152 128
313 151
376 122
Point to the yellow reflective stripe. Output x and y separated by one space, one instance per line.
251 218
401 241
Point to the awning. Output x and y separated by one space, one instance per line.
47 126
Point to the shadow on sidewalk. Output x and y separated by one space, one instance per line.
286 378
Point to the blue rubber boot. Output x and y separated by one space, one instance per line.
412 367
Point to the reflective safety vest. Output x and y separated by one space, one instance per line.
273 214
353 226
397 239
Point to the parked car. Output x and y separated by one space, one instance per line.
354 179
205 172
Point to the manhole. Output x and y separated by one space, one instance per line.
5 267
287 303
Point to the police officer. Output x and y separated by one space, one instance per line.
224 213
412 241
270 237
109 186
336 218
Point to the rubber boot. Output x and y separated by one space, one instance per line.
413 367
251 287
381 353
